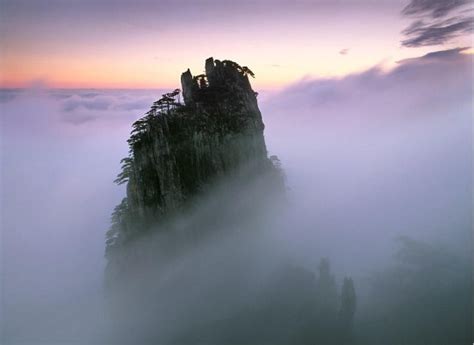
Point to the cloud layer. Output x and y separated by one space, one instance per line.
60 152
433 8
368 157
390 151
437 22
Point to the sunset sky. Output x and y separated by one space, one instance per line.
147 44
366 103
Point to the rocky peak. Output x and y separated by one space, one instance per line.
177 151
225 85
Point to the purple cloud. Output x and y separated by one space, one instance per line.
433 8
437 22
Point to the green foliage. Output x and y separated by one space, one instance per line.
231 63
127 168
201 80
243 70
168 103
141 130
117 222
141 127
247 71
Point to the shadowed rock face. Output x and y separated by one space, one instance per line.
225 90
178 152
201 187
194 170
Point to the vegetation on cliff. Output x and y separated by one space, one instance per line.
189 251
178 150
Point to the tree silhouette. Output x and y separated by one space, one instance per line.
246 71
140 132
201 80
117 221
347 308
326 289
243 70
127 166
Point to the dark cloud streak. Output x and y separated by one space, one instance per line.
445 55
433 8
421 34
433 26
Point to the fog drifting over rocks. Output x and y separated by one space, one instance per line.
368 157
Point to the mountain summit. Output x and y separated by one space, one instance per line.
179 151
193 253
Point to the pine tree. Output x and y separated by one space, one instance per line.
347 308
326 289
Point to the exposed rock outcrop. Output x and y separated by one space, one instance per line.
192 255
178 151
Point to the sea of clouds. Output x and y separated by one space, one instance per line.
367 157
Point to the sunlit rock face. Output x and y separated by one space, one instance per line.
180 151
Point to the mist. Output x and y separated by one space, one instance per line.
375 164
379 154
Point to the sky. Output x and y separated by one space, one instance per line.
147 44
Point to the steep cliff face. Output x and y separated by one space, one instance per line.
192 253
178 151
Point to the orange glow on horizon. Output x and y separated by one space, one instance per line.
140 46
139 73
469 51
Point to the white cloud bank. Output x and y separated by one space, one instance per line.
368 156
